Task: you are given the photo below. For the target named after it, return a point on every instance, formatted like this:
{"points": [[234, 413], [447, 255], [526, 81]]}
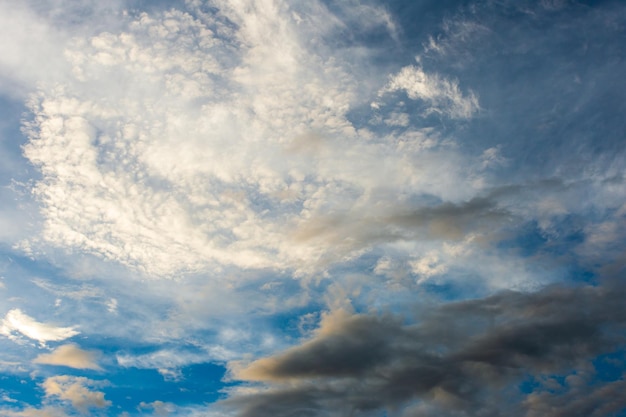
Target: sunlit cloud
{"points": [[75, 390], [71, 356], [319, 208], [16, 321]]}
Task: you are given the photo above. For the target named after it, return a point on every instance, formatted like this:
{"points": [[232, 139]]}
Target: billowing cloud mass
{"points": [[76, 390], [312, 208], [452, 356]]}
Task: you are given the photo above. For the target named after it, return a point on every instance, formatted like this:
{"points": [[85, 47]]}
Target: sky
{"points": [[312, 208]]}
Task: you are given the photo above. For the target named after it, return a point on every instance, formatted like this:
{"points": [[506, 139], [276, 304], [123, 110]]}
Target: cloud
{"points": [[132, 123], [84, 291], [450, 356], [442, 95], [131, 192], [70, 355], [445, 221], [76, 391], [579, 396], [160, 408], [33, 43], [167, 362], [230, 147], [37, 412], [16, 321]]}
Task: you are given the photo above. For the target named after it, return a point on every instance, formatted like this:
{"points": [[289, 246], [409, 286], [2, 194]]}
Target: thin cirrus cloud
{"points": [[320, 208]]}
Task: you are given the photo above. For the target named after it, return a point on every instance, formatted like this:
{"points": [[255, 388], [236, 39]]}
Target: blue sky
{"points": [[312, 208]]}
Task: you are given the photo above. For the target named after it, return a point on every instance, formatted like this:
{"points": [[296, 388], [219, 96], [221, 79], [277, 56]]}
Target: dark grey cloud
{"points": [[455, 357], [581, 398]]}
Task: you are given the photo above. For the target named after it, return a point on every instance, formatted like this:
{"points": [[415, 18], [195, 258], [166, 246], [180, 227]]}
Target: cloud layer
{"points": [[312, 208], [452, 356]]}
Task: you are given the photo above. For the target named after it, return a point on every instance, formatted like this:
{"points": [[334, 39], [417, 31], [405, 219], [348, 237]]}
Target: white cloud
{"points": [[16, 321], [33, 53], [75, 292], [442, 95], [160, 408], [427, 266], [167, 362], [112, 305], [170, 159], [70, 355], [36, 412], [77, 391]]}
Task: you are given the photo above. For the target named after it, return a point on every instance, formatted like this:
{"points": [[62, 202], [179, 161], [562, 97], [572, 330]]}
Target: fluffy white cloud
{"points": [[76, 390], [171, 159], [16, 321], [70, 355]]}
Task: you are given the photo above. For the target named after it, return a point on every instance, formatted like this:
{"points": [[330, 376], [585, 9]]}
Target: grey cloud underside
{"points": [[444, 221], [452, 357]]}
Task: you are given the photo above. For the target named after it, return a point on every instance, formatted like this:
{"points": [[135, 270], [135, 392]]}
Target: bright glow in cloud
{"points": [[252, 143], [16, 321], [442, 95]]}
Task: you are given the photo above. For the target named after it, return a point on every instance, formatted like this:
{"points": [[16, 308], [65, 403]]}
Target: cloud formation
{"points": [[70, 355], [441, 95], [256, 158], [76, 390], [352, 208], [452, 356], [16, 321]]}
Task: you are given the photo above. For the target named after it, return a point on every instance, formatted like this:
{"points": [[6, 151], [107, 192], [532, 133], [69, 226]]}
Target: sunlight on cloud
{"points": [[75, 390], [322, 208], [182, 159], [442, 95], [16, 321], [70, 355]]}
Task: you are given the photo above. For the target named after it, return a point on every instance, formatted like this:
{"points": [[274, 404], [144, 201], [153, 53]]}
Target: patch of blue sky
{"points": [[19, 390], [198, 384], [531, 239]]}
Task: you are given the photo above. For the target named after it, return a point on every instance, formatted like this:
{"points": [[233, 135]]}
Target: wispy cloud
{"points": [[441, 95], [359, 207], [16, 321]]}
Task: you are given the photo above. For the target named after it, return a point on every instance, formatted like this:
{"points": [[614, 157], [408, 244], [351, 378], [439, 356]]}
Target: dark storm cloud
{"points": [[452, 355], [581, 399]]}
